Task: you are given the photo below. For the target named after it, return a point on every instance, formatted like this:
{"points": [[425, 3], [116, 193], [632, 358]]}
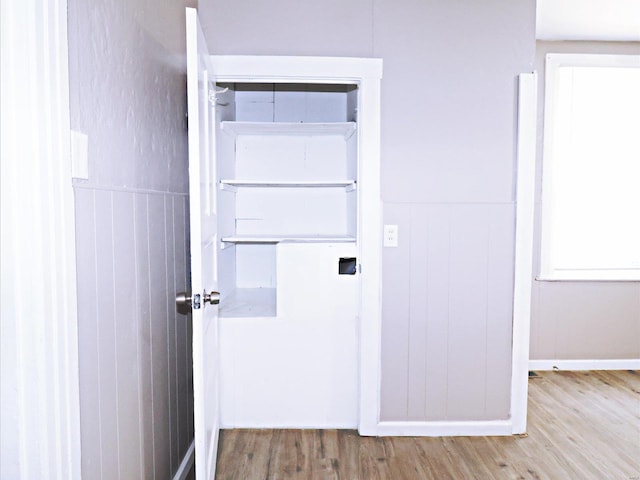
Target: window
{"points": [[591, 168]]}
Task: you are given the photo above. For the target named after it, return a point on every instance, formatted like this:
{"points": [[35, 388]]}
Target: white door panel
{"points": [[203, 224]]}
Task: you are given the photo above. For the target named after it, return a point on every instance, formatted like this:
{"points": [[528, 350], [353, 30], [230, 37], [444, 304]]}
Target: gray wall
{"points": [[448, 155], [581, 320], [127, 93]]}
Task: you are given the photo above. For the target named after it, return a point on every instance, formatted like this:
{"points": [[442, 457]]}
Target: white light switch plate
{"points": [[390, 236]]}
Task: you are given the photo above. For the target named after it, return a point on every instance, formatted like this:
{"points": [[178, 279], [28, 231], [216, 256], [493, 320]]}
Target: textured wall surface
{"points": [[127, 93], [448, 158], [581, 320]]}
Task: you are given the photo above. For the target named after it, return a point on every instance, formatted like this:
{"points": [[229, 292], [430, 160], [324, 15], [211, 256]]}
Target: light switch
{"points": [[390, 236], [79, 155]]}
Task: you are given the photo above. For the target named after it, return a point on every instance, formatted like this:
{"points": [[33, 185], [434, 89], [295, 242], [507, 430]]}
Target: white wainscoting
{"points": [[447, 313], [135, 350]]}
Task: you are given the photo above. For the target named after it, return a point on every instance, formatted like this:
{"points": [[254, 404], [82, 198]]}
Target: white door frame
{"points": [[366, 73], [40, 391]]}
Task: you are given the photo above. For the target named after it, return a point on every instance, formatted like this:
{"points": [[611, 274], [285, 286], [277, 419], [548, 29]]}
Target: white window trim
{"points": [[553, 62]]}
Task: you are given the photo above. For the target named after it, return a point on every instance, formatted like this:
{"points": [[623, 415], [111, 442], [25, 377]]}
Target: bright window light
{"points": [[591, 168]]}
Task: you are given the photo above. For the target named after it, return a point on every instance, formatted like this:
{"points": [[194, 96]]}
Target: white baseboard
{"points": [[187, 463], [445, 429], [616, 364], [308, 425]]}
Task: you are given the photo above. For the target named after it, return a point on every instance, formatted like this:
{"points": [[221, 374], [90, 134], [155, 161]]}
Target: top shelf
{"points": [[346, 129]]}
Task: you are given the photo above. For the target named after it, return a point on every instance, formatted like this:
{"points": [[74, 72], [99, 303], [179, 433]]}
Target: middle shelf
{"points": [[343, 129], [348, 185], [249, 239]]}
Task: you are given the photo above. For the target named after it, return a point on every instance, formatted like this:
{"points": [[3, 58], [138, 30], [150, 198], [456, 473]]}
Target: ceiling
{"points": [[609, 20]]}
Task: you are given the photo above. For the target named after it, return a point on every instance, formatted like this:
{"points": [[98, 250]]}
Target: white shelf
{"points": [[289, 239], [249, 302], [346, 129], [348, 185]]}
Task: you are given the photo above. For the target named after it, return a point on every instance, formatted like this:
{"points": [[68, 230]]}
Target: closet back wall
{"points": [[448, 156]]}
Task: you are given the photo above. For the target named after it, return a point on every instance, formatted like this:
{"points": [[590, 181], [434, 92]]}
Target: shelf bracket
{"points": [[225, 187], [224, 245]]}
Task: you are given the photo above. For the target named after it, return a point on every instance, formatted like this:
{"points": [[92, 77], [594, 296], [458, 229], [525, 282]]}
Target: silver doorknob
{"points": [[184, 300], [213, 298]]}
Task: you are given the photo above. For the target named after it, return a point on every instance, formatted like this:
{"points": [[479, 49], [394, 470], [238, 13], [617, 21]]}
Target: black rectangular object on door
{"points": [[347, 266]]}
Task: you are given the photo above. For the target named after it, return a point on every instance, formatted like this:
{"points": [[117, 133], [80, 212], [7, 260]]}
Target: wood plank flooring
{"points": [[582, 425]]}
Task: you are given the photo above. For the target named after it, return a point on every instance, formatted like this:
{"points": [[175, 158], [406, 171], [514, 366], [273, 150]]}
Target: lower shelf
{"points": [[249, 302], [289, 239]]}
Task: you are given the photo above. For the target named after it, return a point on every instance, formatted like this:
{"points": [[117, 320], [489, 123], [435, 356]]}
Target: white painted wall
{"points": [[580, 320], [448, 156], [127, 89]]}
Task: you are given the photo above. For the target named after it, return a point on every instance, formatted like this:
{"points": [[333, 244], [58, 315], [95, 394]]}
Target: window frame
{"points": [[553, 62]]}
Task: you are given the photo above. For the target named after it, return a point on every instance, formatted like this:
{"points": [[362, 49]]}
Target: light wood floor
{"points": [[582, 425]]}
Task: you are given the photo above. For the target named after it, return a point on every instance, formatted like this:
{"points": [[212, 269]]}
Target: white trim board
{"points": [[446, 428], [581, 365], [523, 271], [40, 417]]}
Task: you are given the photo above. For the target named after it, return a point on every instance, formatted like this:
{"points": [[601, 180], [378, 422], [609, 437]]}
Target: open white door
{"points": [[202, 216]]}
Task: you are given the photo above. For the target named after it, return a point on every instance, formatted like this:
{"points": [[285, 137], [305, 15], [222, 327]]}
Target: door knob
{"points": [[184, 300], [213, 298]]}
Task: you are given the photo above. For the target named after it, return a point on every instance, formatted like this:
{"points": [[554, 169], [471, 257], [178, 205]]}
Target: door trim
{"points": [[40, 381], [366, 73], [523, 270]]}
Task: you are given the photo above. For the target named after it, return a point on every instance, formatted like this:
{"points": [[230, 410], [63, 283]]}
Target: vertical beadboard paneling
{"points": [[135, 351], [182, 361], [143, 284], [467, 333], [172, 380], [499, 311], [447, 312], [437, 316], [417, 334], [188, 372], [88, 335], [104, 298], [159, 347], [395, 317], [126, 330]]}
